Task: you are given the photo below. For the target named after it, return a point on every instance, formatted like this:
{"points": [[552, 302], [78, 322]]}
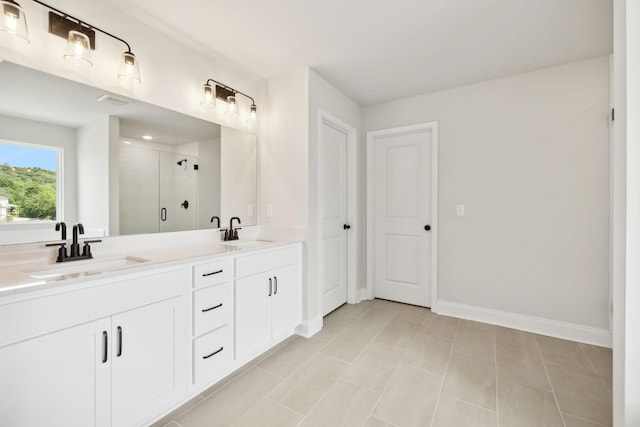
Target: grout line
{"points": [[444, 377], [544, 365]]}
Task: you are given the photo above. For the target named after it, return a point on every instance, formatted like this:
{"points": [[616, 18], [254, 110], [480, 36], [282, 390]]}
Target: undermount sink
{"points": [[241, 244], [76, 269]]}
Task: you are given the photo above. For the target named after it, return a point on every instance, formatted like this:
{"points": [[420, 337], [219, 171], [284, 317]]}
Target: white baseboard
{"points": [[309, 327], [537, 325], [360, 295]]}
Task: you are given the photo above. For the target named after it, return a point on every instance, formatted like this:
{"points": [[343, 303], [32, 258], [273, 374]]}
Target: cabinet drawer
{"points": [[212, 354], [212, 308], [213, 272], [265, 261]]}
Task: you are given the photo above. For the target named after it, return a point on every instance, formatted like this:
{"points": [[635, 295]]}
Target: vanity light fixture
{"points": [[229, 95], [79, 34], [13, 21]]}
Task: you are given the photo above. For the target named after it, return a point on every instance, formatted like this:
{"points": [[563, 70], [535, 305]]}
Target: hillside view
{"points": [[33, 190]]}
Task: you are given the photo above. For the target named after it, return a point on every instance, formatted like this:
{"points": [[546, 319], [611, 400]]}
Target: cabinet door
{"points": [[58, 379], [282, 301], [252, 325], [149, 360]]}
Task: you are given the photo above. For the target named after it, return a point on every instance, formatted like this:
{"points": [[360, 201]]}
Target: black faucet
{"points": [[75, 246], [218, 218], [231, 234], [62, 226]]}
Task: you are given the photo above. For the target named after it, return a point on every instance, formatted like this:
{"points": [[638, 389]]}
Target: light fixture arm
{"points": [[86, 24], [253, 102]]}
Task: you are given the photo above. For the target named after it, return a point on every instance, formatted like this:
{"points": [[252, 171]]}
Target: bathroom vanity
{"points": [[123, 340]]}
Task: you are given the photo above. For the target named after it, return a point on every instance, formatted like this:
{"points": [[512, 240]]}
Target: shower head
{"points": [[180, 162]]}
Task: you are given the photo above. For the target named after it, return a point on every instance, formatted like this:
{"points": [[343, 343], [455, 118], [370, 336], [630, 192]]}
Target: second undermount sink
{"points": [[77, 269]]}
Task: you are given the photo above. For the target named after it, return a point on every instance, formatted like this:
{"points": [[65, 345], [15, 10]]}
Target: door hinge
{"points": [[613, 114]]}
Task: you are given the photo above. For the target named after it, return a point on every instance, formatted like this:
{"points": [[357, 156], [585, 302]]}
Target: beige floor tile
{"points": [[235, 374], [472, 380], [304, 388], [601, 359], [375, 319], [282, 343], [345, 404], [521, 405], [388, 305], [374, 366], [571, 421], [522, 363], [175, 414], [581, 394], [441, 326], [514, 336], [410, 397], [267, 413], [413, 313], [451, 412], [562, 352], [333, 325], [478, 342], [429, 352], [291, 356], [349, 344], [398, 333], [477, 326], [232, 401], [377, 422], [357, 310], [172, 424]]}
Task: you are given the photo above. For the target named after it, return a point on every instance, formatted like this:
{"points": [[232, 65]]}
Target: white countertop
{"points": [[15, 279]]}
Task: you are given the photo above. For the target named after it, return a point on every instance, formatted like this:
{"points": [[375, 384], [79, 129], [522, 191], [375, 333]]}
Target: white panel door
{"points": [[252, 323], [334, 218], [281, 302], [402, 210]]}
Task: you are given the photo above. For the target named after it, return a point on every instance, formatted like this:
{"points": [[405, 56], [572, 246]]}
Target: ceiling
{"points": [[381, 50], [34, 95]]}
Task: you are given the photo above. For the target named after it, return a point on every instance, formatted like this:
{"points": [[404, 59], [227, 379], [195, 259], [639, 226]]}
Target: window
{"points": [[29, 183]]}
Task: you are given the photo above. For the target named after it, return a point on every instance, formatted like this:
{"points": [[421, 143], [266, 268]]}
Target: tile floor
{"points": [[380, 363]]}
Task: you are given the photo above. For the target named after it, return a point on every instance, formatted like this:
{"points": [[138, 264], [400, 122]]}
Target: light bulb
{"points": [[78, 49], [129, 67], [232, 105], [253, 114]]}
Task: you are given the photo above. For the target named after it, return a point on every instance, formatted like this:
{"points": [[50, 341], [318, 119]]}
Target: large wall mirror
{"points": [[75, 153]]}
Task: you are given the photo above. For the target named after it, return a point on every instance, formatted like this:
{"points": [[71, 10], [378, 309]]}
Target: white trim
{"points": [[537, 325], [371, 138], [309, 328], [352, 206]]}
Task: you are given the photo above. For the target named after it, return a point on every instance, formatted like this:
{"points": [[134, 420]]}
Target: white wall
{"points": [[209, 182], [323, 96], [93, 166], [284, 151], [528, 155], [238, 176]]}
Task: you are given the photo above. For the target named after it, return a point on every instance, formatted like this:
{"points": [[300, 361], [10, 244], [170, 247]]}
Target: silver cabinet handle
{"points": [[275, 281]]}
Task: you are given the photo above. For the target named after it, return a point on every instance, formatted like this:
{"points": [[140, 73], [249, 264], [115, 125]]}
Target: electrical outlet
{"points": [[460, 210], [269, 211], [250, 211]]}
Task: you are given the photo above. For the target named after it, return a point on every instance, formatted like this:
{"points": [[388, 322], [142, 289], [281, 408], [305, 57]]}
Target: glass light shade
{"points": [[78, 49], [129, 67], [232, 105], [208, 97], [13, 21], [253, 114]]}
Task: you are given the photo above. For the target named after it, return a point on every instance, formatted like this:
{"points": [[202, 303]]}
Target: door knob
{"points": [[427, 227], [185, 204], [346, 226]]}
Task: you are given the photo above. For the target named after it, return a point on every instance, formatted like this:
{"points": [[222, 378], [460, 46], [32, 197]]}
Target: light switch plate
{"points": [[250, 210], [269, 211], [460, 210]]}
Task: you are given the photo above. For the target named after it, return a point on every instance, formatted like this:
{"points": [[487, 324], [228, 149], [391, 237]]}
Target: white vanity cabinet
{"points": [[266, 290], [103, 354]]}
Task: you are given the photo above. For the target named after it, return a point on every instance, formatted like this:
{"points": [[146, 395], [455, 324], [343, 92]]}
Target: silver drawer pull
{"points": [[214, 353], [211, 274], [204, 310]]}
